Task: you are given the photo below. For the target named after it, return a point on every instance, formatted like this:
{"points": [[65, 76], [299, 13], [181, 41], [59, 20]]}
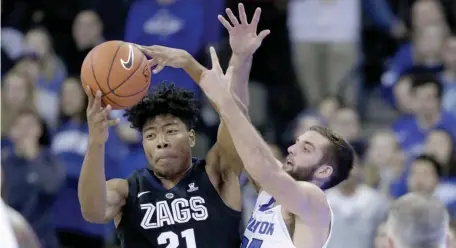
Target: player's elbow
{"points": [[96, 217]]}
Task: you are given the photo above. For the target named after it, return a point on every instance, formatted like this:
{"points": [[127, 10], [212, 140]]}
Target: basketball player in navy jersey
{"points": [[177, 201], [291, 210]]}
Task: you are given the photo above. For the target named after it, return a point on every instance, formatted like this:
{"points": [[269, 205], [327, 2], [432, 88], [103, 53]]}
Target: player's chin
{"points": [[287, 167]]}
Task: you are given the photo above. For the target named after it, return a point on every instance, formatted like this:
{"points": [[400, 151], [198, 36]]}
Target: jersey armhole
{"points": [[130, 199], [211, 191]]}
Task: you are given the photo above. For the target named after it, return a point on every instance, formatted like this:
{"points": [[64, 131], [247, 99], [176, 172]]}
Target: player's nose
{"points": [[162, 142], [291, 149]]}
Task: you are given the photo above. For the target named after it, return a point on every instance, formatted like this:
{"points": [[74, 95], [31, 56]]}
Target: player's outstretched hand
{"points": [[98, 118], [215, 83], [165, 56], [243, 35]]}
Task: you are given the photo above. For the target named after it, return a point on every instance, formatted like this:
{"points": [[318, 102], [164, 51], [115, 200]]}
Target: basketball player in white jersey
{"points": [[291, 210], [417, 221]]}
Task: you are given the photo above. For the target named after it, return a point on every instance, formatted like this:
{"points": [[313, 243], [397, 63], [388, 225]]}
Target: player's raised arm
{"points": [[259, 162], [100, 201], [244, 41]]}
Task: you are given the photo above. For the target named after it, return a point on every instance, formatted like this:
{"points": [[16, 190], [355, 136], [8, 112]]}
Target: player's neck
{"points": [[170, 182]]}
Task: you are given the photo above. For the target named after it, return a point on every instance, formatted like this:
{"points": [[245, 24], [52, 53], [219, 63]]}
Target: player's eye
{"points": [[171, 131], [150, 136]]}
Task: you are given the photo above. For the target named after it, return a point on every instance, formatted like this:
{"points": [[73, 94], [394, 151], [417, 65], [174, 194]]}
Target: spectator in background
{"points": [[440, 145], [325, 37], [70, 144], [304, 121], [52, 73], [33, 176], [411, 130], [448, 76], [358, 210], [136, 158], [328, 106], [425, 12], [416, 221], [12, 46], [346, 123], [17, 93], [385, 167], [424, 178], [423, 52], [28, 64], [87, 33], [189, 25]]}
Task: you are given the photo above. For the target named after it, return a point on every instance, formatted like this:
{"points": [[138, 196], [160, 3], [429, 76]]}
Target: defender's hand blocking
{"points": [[243, 36], [216, 84], [165, 56], [97, 118]]}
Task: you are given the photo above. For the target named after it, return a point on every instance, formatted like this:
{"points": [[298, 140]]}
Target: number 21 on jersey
{"points": [[255, 243], [172, 239]]}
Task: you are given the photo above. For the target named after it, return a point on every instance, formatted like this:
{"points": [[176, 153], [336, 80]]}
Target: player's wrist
{"points": [[241, 58]]}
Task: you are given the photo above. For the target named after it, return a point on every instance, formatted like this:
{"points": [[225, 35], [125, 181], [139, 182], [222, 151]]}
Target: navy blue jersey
{"points": [[190, 215]]}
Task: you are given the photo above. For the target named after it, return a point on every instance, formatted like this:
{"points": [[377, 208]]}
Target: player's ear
{"points": [[191, 137], [323, 172]]}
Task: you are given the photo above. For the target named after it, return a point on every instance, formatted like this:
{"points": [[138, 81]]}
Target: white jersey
{"points": [[8, 239], [266, 228]]}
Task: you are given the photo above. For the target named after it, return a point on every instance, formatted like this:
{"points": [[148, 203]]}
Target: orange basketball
{"points": [[119, 70]]}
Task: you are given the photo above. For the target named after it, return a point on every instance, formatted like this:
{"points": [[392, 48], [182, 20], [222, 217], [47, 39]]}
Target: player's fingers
{"points": [[89, 94], [105, 112], [224, 22], [263, 34], [159, 67], [152, 62], [97, 102], [255, 19], [145, 50], [231, 16], [214, 59], [242, 14]]}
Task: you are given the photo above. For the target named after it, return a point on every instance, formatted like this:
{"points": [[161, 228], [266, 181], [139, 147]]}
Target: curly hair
{"points": [[165, 99]]}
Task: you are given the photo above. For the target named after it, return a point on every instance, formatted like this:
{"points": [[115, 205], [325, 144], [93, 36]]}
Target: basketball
{"points": [[119, 70]]}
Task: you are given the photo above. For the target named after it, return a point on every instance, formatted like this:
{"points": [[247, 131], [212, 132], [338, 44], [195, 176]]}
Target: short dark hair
{"points": [[165, 99], [424, 79], [45, 138], [434, 163], [340, 155]]}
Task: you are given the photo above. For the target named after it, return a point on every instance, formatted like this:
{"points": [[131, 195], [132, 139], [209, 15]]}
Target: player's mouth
{"points": [[165, 157], [288, 164]]}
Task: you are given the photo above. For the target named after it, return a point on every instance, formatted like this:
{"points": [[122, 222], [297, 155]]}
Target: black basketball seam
{"points": [[96, 80], [112, 63], [140, 91], [123, 82], [93, 93]]}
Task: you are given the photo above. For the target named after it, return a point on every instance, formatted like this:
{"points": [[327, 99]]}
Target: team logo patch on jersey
{"points": [[169, 195], [192, 187]]}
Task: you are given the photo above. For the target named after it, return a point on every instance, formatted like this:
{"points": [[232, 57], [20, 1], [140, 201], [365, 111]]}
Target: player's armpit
{"points": [[116, 195]]}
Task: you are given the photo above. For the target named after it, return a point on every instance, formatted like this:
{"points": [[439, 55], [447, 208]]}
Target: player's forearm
{"points": [[256, 155], [240, 77], [92, 184], [193, 68]]}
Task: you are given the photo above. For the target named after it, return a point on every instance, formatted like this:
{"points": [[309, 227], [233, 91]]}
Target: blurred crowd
{"points": [[325, 63]]}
